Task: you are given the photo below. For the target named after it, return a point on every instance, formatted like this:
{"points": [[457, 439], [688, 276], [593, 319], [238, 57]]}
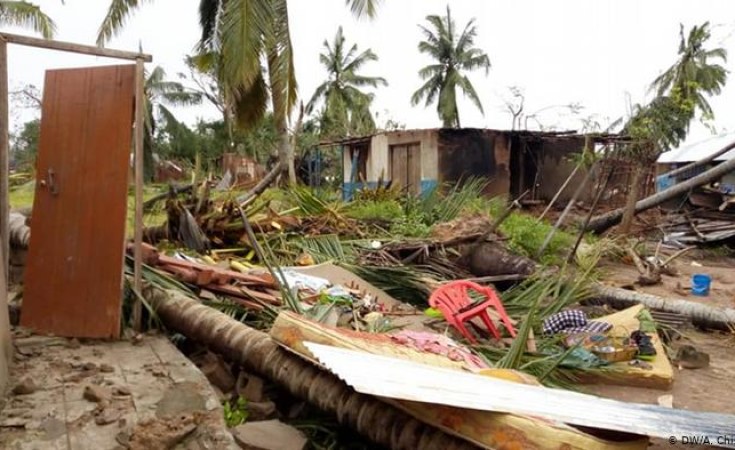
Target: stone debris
{"points": [[269, 435], [25, 387], [96, 394]]}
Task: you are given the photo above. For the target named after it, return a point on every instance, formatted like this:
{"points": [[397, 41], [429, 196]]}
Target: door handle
{"points": [[50, 182]]}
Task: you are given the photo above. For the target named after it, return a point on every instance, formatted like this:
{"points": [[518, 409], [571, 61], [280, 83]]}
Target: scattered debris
{"points": [[269, 435]]}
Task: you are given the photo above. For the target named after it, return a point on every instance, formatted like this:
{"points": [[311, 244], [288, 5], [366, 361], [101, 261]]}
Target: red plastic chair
{"points": [[454, 301]]}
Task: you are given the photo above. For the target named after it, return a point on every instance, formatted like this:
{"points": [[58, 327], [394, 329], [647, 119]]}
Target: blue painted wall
{"points": [[348, 189]]}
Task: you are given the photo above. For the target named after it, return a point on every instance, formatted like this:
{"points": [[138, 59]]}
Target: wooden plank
{"points": [[4, 164], [138, 232], [73, 48], [74, 273]]}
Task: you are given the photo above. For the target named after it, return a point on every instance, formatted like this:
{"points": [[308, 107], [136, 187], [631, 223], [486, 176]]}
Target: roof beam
{"points": [[74, 48]]}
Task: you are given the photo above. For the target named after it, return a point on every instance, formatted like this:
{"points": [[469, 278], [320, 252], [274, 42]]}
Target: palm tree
{"points": [[246, 33], [346, 107], [160, 92], [28, 15], [454, 54], [696, 73], [681, 90]]}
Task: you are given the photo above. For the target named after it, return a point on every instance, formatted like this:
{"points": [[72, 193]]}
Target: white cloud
{"points": [[596, 53]]}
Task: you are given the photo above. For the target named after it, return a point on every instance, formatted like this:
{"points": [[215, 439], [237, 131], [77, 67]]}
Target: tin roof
{"points": [[700, 150]]}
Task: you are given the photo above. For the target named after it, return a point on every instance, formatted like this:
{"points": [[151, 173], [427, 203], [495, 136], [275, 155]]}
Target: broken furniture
{"points": [[454, 301]]}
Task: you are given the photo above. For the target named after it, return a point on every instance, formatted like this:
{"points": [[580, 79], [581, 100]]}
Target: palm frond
{"points": [[117, 15], [364, 8], [28, 15], [280, 63]]}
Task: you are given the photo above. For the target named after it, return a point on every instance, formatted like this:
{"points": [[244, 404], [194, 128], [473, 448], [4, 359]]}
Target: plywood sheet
{"points": [[74, 275]]}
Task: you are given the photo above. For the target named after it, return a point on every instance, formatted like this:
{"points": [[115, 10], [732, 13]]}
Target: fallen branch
{"points": [[262, 185]]}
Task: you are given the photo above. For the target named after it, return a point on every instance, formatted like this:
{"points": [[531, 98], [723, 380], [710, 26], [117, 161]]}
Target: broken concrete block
{"points": [[218, 373], [96, 394], [261, 410], [268, 435], [25, 387], [250, 387]]}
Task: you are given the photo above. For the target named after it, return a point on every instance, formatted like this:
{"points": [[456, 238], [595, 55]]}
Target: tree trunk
{"points": [[285, 151], [701, 315], [256, 351], [701, 162], [18, 232], [609, 219], [631, 200]]}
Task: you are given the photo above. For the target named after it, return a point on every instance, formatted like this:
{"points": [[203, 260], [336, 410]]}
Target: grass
{"points": [[22, 197]]}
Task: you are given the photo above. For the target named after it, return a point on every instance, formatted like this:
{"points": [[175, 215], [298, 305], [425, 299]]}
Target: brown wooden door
{"points": [[73, 278], [406, 167]]}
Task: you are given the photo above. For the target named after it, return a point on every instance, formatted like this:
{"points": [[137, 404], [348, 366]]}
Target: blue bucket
{"points": [[701, 284]]}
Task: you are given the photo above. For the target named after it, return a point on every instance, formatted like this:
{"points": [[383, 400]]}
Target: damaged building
{"points": [[513, 162]]}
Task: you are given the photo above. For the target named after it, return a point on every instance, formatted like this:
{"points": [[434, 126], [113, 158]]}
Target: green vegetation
{"points": [[386, 210], [236, 412]]}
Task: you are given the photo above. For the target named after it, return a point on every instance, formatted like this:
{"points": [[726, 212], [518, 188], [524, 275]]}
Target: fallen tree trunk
{"points": [[18, 232], [255, 350], [700, 162], [602, 222], [701, 315]]}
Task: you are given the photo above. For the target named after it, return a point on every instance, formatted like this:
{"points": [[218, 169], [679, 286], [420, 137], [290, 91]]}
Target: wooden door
{"points": [[73, 278], [406, 167]]}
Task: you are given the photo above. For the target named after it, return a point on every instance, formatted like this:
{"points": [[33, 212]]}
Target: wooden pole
{"points": [[4, 160], [138, 236], [73, 48]]}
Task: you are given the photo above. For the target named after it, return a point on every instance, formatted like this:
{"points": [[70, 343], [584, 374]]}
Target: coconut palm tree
{"points": [[247, 33], [27, 15], [454, 54], [346, 107], [160, 92], [697, 73]]}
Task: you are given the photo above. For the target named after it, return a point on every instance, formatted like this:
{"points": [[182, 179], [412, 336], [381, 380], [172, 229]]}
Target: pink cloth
{"points": [[439, 345]]}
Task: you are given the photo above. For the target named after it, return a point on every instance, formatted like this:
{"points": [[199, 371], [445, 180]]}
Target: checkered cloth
{"points": [[572, 322]]}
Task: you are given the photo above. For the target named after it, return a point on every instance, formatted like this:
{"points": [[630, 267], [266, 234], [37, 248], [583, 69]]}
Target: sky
{"points": [[600, 55]]}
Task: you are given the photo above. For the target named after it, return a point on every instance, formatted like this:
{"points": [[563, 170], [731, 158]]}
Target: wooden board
{"points": [[485, 429], [73, 280]]}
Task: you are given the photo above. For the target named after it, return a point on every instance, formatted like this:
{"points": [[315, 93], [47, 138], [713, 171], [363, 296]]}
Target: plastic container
{"points": [[701, 284]]}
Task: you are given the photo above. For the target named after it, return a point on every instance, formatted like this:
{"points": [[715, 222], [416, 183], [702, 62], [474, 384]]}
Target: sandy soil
{"points": [[722, 271]]}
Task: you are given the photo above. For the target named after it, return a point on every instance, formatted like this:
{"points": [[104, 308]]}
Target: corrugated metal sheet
{"points": [[400, 379], [699, 150]]}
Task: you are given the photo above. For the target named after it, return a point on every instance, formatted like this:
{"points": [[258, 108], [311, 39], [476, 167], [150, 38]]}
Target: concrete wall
{"points": [[378, 161], [556, 166], [6, 346]]}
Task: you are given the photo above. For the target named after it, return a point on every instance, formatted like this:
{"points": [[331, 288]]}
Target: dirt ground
{"points": [[707, 389], [721, 269]]}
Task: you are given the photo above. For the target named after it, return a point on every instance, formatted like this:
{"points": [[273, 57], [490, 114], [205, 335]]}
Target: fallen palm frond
{"points": [[411, 285]]}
